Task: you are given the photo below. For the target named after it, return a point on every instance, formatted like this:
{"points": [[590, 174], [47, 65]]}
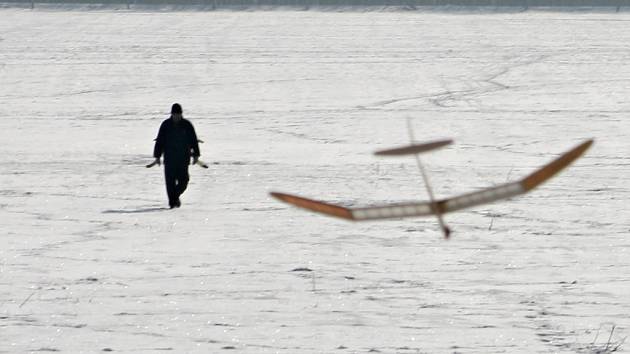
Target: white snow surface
{"points": [[91, 261]]}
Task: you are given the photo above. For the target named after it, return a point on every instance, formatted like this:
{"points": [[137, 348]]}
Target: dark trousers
{"points": [[176, 182]]}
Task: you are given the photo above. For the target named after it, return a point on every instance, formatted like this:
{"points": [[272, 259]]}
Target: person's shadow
{"points": [[134, 211]]}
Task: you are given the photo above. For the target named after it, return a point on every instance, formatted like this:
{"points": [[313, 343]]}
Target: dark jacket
{"points": [[178, 142]]}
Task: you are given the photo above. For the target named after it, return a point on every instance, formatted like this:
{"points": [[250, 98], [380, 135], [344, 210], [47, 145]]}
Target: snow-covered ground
{"points": [[297, 102]]}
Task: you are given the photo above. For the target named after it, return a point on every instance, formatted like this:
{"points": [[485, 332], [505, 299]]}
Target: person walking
{"points": [[177, 141]]}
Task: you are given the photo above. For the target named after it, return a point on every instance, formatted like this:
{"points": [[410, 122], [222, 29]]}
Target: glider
{"points": [[442, 206]]}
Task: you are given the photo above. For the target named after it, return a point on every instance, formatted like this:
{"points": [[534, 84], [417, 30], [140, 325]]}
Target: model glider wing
{"points": [[201, 164], [414, 149], [152, 164], [369, 213], [402, 210], [513, 189]]}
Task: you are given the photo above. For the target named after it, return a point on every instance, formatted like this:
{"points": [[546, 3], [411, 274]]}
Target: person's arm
{"points": [[158, 149], [194, 144]]}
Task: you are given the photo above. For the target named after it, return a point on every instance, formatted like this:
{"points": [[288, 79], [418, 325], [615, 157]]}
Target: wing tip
{"points": [[278, 195], [314, 205], [551, 169]]}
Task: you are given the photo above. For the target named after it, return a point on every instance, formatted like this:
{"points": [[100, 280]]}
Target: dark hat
{"points": [[176, 109]]}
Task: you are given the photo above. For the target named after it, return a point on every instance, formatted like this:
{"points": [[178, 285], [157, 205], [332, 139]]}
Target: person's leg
{"points": [[182, 180], [170, 178]]}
